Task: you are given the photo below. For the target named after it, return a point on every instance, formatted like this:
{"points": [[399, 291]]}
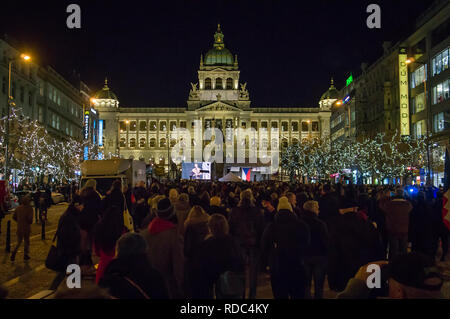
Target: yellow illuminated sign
{"points": [[403, 91]]}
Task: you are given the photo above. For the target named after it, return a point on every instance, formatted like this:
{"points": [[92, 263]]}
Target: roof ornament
{"points": [[106, 84]]}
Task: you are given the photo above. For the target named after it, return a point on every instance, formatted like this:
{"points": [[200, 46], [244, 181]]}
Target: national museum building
{"points": [[218, 100]]}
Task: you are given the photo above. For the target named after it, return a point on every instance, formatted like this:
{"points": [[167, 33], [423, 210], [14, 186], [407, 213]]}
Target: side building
{"points": [[406, 91], [42, 94]]}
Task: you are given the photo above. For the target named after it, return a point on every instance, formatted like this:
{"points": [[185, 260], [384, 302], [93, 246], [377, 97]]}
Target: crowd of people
{"points": [[213, 240]]}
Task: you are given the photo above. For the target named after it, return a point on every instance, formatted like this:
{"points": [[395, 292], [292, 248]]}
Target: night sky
{"points": [[150, 50]]}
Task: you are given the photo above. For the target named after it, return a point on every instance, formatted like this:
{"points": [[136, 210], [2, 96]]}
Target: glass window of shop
{"points": [[418, 76], [440, 62], [438, 122], [418, 103], [441, 92]]}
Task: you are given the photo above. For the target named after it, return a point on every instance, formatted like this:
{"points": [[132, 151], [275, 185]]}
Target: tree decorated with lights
{"points": [[35, 152]]}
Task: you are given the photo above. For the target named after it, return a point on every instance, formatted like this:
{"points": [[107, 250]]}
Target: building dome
{"points": [[219, 55], [331, 94], [105, 93]]}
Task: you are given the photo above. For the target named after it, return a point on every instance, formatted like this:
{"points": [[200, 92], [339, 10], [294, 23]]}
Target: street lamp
{"points": [[428, 109], [10, 103]]}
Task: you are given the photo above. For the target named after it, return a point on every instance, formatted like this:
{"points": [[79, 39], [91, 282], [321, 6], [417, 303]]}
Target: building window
{"points": [[162, 142], [305, 126], [274, 144], [132, 142], [142, 142], [294, 126], [254, 125], [208, 84], [30, 98], [264, 143], [142, 125], [173, 142], [294, 141], [441, 92], [122, 126], [274, 125], [173, 126], [41, 88], [264, 124], [284, 126], [438, 122], [418, 76], [122, 142], [22, 94], [228, 123], [315, 126], [133, 126], [229, 84], [40, 114], [153, 142], [440, 62], [419, 128], [418, 103], [162, 126], [219, 85], [152, 126]]}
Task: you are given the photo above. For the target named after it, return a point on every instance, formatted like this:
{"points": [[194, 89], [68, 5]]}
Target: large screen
{"points": [[199, 171]]}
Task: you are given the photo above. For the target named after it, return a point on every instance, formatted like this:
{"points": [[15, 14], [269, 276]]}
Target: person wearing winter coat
{"points": [[68, 239], [354, 242], [397, 211], [216, 207], [165, 253], [246, 226], [196, 229], [328, 203], [23, 215], [421, 226], [217, 254], [182, 209], [284, 244], [130, 275], [90, 215], [141, 208], [106, 233], [316, 257]]}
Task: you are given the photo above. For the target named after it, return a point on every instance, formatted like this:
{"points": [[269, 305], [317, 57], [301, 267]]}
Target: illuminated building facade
{"points": [[217, 100]]}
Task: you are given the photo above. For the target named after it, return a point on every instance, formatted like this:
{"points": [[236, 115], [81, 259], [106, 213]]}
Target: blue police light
{"points": [[346, 99]]}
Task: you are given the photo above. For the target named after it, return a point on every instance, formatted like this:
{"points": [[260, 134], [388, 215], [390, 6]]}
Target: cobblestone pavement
{"points": [[25, 279]]}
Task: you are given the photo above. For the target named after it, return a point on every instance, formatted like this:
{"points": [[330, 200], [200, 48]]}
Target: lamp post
{"points": [[9, 104], [428, 110]]}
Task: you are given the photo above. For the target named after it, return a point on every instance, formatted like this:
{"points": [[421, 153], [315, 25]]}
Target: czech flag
{"points": [[246, 174]]}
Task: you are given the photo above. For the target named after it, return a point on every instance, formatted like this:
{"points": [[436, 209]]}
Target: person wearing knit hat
{"points": [[165, 209], [291, 236], [283, 204], [165, 249]]}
